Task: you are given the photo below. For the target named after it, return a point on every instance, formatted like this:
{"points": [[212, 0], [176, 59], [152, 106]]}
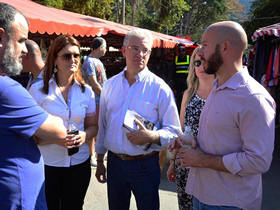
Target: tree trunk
{"points": [[117, 11], [123, 12], [133, 12]]}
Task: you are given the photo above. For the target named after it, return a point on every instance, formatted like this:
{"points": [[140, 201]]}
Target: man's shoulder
{"points": [[91, 59], [88, 61], [5, 80], [115, 78], [9, 86], [254, 89], [156, 80], [17, 99]]}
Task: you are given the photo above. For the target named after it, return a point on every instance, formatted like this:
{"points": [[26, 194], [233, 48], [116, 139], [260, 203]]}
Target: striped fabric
{"points": [[267, 31]]}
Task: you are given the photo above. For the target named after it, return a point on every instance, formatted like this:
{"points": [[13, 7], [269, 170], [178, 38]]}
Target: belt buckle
{"points": [[122, 156]]}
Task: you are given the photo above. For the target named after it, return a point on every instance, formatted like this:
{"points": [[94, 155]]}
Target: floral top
{"points": [[192, 114]]}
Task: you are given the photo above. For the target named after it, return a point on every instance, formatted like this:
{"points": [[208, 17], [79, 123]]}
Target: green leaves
{"points": [[96, 8], [262, 13]]}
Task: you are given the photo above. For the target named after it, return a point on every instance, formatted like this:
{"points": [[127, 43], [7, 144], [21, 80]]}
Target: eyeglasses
{"points": [[197, 63], [69, 56], [136, 49]]}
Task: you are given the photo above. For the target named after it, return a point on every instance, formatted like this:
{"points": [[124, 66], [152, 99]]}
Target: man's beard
{"points": [[215, 61], [9, 65]]}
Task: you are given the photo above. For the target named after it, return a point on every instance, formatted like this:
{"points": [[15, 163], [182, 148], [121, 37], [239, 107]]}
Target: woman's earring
{"points": [[54, 70]]}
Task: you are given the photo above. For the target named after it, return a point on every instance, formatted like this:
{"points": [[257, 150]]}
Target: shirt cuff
{"points": [[164, 138], [100, 149], [230, 161]]}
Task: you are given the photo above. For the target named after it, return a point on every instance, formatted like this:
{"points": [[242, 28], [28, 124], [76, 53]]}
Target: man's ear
{"points": [[225, 47], [123, 50], [2, 33]]}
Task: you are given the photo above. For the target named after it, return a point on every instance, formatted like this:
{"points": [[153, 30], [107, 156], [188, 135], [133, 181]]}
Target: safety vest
{"points": [[182, 66]]}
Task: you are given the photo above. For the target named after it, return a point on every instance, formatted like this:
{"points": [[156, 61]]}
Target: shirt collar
{"points": [[233, 82], [140, 76], [75, 83]]}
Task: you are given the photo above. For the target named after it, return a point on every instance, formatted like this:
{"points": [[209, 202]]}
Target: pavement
{"points": [[96, 198]]}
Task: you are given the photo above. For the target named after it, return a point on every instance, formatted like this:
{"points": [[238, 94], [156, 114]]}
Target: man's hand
{"points": [[175, 144], [187, 157], [190, 157], [100, 173], [143, 135]]}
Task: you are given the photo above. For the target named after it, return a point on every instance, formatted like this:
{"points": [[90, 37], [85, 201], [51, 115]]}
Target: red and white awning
{"points": [[50, 20], [267, 31]]}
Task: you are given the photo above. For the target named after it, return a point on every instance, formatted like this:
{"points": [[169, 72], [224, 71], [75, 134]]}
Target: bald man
{"points": [[32, 62], [236, 131]]}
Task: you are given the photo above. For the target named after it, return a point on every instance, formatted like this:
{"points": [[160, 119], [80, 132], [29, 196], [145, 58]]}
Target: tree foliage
{"points": [[262, 13], [199, 16], [168, 12], [175, 17], [235, 11], [51, 3], [96, 8]]}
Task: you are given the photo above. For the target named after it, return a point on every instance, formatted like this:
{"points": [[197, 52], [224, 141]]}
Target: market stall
{"points": [[47, 23], [266, 65]]}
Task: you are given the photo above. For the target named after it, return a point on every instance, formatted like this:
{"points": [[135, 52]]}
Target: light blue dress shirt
{"points": [[150, 97]]}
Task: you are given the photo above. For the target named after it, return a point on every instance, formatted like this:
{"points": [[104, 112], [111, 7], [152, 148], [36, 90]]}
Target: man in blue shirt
{"points": [[94, 74], [33, 63], [21, 164]]}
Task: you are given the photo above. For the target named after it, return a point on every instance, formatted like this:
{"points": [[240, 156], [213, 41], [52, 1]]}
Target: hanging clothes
{"points": [[276, 66], [269, 70], [263, 48]]}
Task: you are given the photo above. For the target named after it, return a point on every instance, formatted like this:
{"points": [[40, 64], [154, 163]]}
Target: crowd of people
{"points": [[222, 141]]}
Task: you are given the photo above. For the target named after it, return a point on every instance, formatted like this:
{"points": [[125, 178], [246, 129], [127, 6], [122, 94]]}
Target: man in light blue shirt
{"points": [[133, 156]]}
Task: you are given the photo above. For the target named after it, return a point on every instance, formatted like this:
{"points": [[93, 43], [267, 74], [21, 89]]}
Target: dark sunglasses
{"points": [[197, 63], [69, 56]]}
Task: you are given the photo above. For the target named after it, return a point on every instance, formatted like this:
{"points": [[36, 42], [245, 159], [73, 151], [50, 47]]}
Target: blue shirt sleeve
{"points": [[89, 67], [19, 113]]}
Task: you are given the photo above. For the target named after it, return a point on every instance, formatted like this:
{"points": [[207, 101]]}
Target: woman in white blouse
{"points": [[63, 93]]}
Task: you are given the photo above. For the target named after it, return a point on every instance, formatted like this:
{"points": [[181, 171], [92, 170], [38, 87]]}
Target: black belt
{"points": [[132, 157]]}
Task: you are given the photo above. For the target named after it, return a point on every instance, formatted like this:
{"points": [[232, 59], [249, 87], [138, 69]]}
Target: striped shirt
{"points": [[150, 97]]}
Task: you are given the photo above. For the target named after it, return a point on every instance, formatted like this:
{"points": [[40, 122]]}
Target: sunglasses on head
{"points": [[197, 63], [69, 56]]}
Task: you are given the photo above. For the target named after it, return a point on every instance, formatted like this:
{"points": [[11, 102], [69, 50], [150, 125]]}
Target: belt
{"points": [[136, 157]]}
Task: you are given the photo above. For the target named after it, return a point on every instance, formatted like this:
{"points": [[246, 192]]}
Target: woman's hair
{"points": [[192, 80], [58, 44]]}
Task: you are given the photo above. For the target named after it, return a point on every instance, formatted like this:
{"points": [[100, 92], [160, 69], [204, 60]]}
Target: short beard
{"points": [[215, 61], [9, 65]]}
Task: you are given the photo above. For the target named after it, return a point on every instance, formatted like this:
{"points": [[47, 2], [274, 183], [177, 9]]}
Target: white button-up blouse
{"points": [[80, 104]]}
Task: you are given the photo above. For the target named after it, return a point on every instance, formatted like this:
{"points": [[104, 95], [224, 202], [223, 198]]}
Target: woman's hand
{"points": [[171, 172], [77, 140]]}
